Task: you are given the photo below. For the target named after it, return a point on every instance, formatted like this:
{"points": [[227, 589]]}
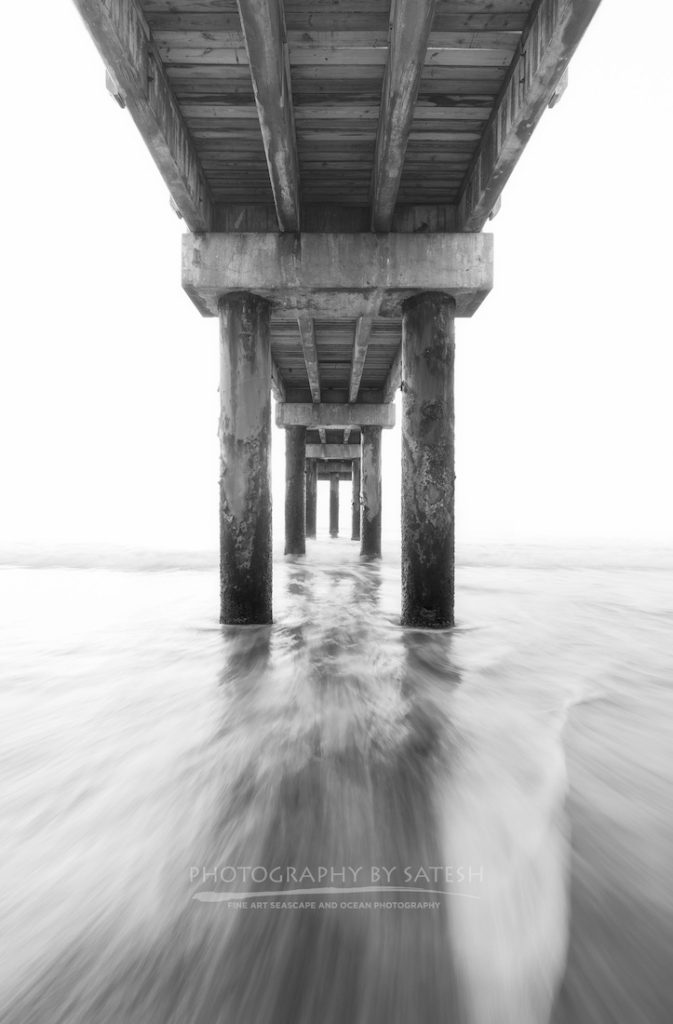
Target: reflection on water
{"points": [[164, 775]]}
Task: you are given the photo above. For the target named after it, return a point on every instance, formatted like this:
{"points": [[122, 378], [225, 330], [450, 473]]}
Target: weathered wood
{"points": [[327, 415], [549, 44], [277, 385], [335, 275], [332, 451], [428, 461], [124, 41], [334, 110], [310, 352], [411, 21], [216, 40], [473, 22], [264, 30], [338, 55], [295, 515], [394, 377], [361, 344], [245, 469]]}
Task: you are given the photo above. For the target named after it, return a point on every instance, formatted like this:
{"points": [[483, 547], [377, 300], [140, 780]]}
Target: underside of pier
{"points": [[335, 162]]}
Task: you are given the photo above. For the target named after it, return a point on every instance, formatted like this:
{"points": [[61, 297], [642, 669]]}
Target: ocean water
{"points": [[333, 819]]}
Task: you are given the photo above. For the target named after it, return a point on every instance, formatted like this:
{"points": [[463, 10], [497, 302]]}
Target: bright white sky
{"points": [[108, 375]]}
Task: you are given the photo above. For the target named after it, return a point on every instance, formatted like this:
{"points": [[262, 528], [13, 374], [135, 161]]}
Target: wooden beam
{"points": [[277, 385], [263, 24], [410, 24], [543, 58], [310, 352], [361, 344], [124, 41], [394, 378]]}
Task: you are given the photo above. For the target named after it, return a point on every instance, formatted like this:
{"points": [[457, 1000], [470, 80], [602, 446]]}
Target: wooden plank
{"points": [[123, 39], [369, 20], [225, 41], [330, 111], [409, 31], [264, 30], [545, 53]]}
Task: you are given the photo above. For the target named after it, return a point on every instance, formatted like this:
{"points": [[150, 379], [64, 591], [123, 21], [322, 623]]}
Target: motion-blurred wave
{"points": [[519, 766]]}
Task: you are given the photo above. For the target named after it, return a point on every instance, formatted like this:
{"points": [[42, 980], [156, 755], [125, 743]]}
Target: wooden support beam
{"points": [[332, 451], [410, 24], [277, 385], [543, 58], [322, 434], [329, 415], [361, 344], [124, 41], [394, 378], [310, 352], [336, 276], [263, 24]]}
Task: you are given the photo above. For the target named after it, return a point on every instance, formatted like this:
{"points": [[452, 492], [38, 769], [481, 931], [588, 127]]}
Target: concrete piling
{"points": [[428, 344], [295, 523], [370, 544], [245, 469], [334, 505], [355, 529], [311, 496]]}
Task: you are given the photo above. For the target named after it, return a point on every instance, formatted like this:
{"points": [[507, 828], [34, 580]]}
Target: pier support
{"points": [[334, 505], [245, 472], [370, 545], [355, 533], [295, 458], [311, 496], [428, 460]]}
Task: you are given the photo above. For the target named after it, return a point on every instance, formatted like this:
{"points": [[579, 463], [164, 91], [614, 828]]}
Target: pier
{"points": [[335, 166]]}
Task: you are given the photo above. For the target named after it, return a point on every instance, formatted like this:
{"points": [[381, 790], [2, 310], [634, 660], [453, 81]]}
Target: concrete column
{"points": [[370, 545], [311, 496], [295, 457], [245, 468], [355, 534], [334, 505], [428, 460]]}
